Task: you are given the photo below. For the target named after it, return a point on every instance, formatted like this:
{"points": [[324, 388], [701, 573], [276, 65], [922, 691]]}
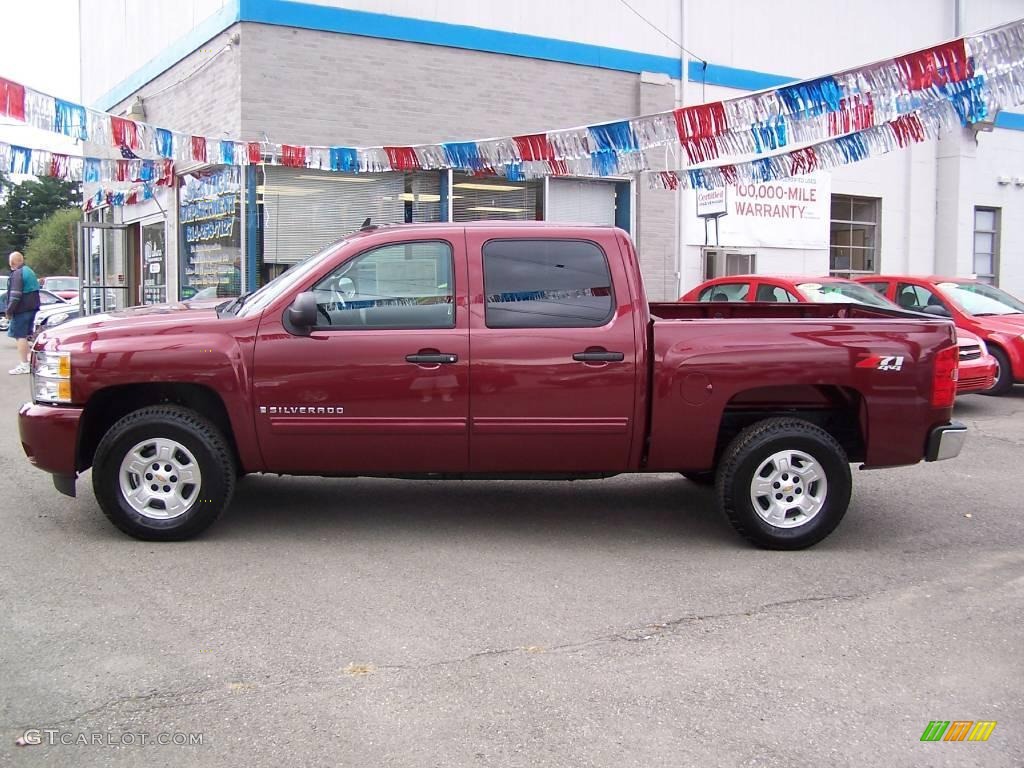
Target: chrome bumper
{"points": [[945, 442]]}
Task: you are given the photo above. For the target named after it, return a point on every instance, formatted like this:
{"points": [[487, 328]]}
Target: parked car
{"points": [[51, 316], [977, 367], [991, 313], [64, 286], [484, 350], [47, 301]]}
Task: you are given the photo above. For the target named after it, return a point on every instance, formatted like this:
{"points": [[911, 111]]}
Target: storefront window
{"points": [[475, 198], [210, 215]]}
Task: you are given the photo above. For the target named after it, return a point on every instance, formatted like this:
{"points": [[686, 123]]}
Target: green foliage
{"points": [[25, 205], [50, 249]]}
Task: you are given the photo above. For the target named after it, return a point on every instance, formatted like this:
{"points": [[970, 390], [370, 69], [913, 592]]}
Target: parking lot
{"points": [[595, 623]]}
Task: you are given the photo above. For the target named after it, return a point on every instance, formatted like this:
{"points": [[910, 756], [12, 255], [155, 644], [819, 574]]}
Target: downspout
{"points": [[680, 102]]}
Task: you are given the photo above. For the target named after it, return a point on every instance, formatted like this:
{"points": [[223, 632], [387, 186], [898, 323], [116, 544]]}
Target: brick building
{"points": [[373, 72]]}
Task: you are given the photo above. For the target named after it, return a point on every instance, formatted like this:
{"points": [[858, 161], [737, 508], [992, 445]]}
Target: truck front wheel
{"points": [[163, 473], [784, 483]]}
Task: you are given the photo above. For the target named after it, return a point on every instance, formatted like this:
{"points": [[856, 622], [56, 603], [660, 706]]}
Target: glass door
{"points": [[153, 282], [103, 267]]}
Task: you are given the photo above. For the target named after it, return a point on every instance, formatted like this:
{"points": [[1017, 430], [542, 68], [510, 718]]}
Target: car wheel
{"points": [[700, 478], [1004, 373], [163, 473], [784, 483]]}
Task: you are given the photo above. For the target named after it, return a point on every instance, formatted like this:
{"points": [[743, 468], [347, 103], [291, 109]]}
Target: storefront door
{"points": [[103, 265], [153, 267]]}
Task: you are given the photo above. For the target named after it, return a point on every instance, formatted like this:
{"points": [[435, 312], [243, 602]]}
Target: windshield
{"points": [[257, 301], [835, 293], [61, 283], [982, 299]]}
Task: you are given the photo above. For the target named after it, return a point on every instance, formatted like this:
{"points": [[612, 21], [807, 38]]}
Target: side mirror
{"points": [[937, 310], [302, 312]]}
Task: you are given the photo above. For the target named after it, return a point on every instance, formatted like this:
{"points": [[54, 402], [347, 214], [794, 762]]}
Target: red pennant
{"points": [[293, 157], [946, 63], [124, 132], [803, 161], [558, 167], [703, 121], [729, 174], [199, 149], [402, 158], [534, 146], [255, 153], [670, 180], [908, 129], [59, 166], [166, 177], [700, 150], [133, 198], [856, 113], [12, 99], [121, 170]]}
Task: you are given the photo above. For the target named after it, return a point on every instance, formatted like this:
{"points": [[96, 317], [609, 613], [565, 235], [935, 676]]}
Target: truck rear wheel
{"points": [[163, 473], [784, 483]]}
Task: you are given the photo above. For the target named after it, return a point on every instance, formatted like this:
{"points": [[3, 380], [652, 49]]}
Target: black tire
{"points": [[700, 478], [755, 445], [1004, 377], [201, 438]]}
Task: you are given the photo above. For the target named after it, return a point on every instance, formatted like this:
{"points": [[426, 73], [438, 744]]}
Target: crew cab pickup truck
{"points": [[487, 350]]}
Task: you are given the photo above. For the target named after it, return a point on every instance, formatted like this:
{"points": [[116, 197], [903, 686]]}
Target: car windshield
{"points": [[982, 299], [836, 293], [61, 283], [256, 302]]}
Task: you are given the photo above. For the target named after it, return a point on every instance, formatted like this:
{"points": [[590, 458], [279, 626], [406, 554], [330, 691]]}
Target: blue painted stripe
{"points": [[349, 22], [732, 77], [206, 30], [1013, 121]]}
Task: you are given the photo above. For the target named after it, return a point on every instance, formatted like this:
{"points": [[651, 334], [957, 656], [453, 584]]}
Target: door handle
{"points": [[598, 356], [432, 358]]}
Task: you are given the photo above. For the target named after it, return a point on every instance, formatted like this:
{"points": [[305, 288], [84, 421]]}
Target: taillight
{"points": [[944, 377]]}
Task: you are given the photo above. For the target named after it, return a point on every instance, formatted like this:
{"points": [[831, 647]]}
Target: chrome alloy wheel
{"points": [[160, 478], [788, 489]]}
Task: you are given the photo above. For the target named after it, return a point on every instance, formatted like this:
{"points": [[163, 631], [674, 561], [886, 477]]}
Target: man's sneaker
{"points": [[20, 368]]}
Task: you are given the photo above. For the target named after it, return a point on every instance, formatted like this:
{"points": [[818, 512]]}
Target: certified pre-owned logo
{"points": [[302, 410], [958, 730], [882, 362]]}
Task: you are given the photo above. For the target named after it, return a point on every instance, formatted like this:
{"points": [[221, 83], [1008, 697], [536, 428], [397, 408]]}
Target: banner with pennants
{"points": [[810, 125]]}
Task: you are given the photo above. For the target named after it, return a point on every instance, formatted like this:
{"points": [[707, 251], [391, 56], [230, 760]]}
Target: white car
{"points": [[51, 306]]}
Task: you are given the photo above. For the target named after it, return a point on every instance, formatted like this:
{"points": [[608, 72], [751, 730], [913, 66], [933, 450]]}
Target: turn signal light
{"points": [[944, 376]]}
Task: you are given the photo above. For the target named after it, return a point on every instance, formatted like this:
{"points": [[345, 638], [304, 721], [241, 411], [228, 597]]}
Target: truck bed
{"points": [[769, 310]]}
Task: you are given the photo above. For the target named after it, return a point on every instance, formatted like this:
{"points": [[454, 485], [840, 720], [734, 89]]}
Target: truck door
{"points": [[554, 369], [381, 384]]}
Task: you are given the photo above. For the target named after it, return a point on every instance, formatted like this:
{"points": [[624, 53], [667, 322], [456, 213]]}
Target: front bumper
{"points": [[49, 436], [976, 375], [945, 442]]}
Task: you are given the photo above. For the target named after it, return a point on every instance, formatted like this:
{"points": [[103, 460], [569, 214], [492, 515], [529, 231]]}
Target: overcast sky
{"points": [[39, 48]]}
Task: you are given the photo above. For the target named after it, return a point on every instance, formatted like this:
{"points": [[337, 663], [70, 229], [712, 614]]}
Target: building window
{"points": [[475, 198], [853, 241], [719, 263], [986, 244]]}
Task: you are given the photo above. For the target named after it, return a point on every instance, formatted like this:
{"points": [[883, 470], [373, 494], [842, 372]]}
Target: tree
{"points": [[28, 203], [50, 249]]}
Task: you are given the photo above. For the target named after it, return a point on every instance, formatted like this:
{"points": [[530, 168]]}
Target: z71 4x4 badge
{"points": [[882, 362]]}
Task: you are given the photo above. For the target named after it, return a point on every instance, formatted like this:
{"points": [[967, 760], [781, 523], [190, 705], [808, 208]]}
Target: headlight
{"points": [[53, 320], [51, 377], [984, 346]]}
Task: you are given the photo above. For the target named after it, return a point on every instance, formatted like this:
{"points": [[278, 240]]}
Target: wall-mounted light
{"points": [[1003, 180], [138, 110], [1019, 181]]}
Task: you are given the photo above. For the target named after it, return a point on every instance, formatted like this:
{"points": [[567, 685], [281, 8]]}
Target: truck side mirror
{"points": [[302, 312]]}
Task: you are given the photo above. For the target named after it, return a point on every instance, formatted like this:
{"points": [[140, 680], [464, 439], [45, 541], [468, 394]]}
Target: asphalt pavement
{"points": [[501, 624]]}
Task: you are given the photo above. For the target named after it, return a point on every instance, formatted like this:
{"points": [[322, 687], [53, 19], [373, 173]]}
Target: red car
{"points": [[994, 315], [64, 286], [977, 367]]}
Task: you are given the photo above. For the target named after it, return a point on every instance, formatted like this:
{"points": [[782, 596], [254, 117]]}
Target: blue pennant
{"points": [[91, 170], [164, 142], [344, 159], [227, 152], [617, 136], [514, 172], [463, 154], [968, 99], [814, 97], [763, 169], [21, 159], [605, 161], [69, 119]]}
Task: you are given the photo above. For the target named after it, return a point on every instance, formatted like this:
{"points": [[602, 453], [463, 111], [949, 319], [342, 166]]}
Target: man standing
{"points": [[22, 305]]}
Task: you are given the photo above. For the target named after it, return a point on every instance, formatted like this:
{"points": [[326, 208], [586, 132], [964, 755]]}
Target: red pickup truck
{"points": [[487, 350]]}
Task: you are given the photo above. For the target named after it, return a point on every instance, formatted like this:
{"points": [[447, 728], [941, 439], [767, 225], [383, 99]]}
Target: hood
{"points": [[183, 316], [1009, 324]]}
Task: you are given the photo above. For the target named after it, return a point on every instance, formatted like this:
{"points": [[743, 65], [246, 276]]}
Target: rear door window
{"points": [[546, 284], [882, 288], [916, 297], [725, 292], [769, 292]]}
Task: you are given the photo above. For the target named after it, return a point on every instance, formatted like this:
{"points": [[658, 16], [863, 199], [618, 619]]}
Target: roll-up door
{"points": [[581, 202]]}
